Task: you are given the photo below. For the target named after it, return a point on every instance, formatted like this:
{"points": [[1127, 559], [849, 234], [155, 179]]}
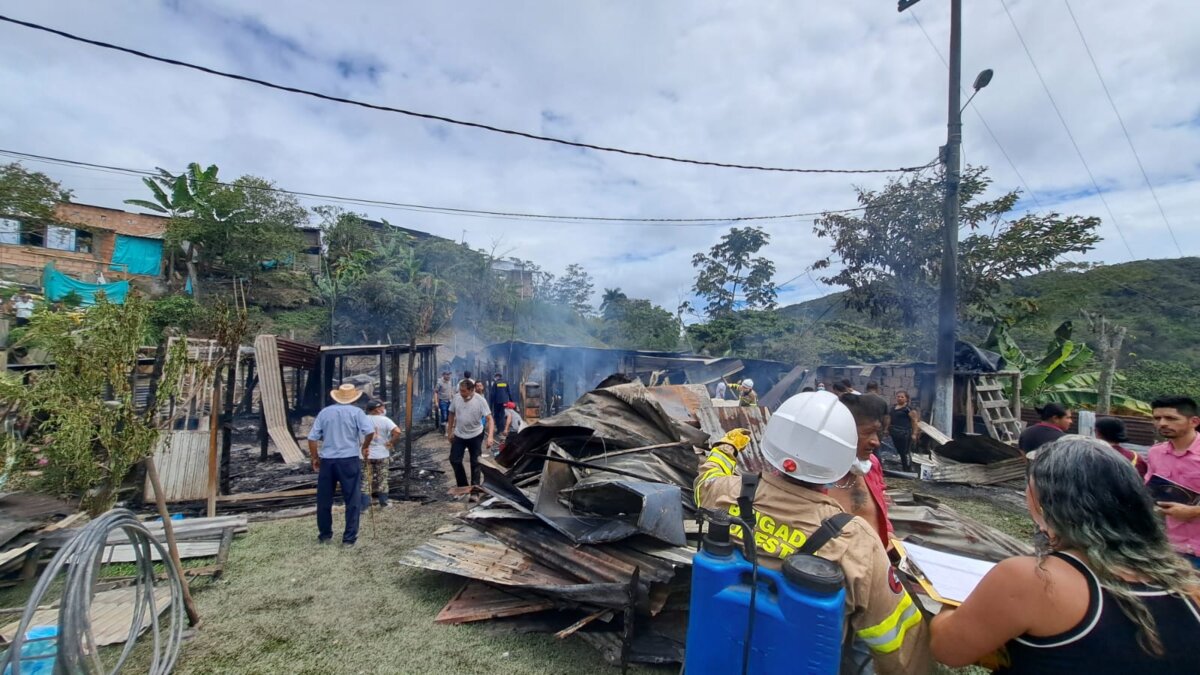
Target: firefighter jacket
{"points": [[501, 394], [878, 609], [746, 397]]}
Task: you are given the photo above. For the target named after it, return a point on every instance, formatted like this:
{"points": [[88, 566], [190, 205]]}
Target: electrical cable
{"points": [[454, 211], [1124, 130], [1066, 127], [430, 116], [77, 651]]}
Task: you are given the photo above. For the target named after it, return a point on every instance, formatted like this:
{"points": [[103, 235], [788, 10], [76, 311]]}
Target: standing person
{"points": [[1111, 430], [744, 390], [377, 452], [1055, 420], [501, 394], [808, 443], [342, 429], [22, 307], [1178, 459], [904, 428], [466, 433], [443, 391], [720, 391], [862, 490], [1105, 594]]}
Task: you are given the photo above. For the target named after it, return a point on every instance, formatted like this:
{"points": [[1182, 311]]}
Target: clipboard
{"points": [[1166, 490], [972, 571]]}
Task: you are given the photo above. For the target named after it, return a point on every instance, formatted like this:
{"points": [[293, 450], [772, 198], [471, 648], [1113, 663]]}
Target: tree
{"points": [[638, 324], [348, 247], [1109, 337], [731, 278], [891, 252], [610, 300], [29, 195], [573, 289], [87, 429], [180, 197]]}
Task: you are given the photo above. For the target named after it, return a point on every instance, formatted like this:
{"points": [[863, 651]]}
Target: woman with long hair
{"points": [[1105, 592]]}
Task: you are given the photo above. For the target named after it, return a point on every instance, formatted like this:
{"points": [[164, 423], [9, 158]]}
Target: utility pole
{"points": [[943, 408], [943, 403]]}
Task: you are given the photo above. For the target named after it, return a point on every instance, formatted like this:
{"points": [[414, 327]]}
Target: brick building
{"points": [[86, 241]]}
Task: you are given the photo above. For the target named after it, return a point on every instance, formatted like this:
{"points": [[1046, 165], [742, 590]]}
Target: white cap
{"points": [[812, 438]]}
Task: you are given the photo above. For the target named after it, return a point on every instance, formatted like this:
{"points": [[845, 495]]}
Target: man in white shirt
{"points": [[469, 414], [23, 307]]}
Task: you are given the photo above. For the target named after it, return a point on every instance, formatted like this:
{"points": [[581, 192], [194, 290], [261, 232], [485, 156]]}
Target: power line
{"points": [[1067, 128], [454, 211], [1124, 130], [999, 146], [433, 117]]}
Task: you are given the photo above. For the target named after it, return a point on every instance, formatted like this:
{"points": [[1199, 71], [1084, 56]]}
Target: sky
{"points": [[849, 84]]}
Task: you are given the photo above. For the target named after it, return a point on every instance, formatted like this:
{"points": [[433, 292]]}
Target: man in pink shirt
{"points": [[1178, 459]]}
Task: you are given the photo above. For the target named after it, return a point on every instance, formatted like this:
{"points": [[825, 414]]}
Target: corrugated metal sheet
{"points": [[270, 380], [181, 458]]}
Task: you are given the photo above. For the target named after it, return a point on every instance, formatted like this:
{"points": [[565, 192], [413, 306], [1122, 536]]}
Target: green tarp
{"points": [[58, 286], [137, 255]]}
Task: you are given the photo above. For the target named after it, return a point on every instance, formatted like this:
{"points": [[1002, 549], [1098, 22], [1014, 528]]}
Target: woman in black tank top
{"points": [[1105, 594]]}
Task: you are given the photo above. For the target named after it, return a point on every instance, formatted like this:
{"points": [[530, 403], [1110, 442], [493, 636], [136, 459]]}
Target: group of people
{"points": [[1110, 589], [470, 417]]}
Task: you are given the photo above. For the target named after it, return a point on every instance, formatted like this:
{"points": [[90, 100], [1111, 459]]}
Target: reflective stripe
{"points": [[887, 636], [722, 460], [712, 473]]}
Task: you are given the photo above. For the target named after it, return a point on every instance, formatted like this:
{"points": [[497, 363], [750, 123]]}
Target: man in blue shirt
{"points": [[343, 430]]}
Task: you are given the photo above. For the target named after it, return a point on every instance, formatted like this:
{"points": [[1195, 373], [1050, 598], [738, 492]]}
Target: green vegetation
{"points": [[890, 254], [29, 195], [89, 432]]}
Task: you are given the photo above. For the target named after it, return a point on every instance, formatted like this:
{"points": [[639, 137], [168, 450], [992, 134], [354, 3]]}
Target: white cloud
{"points": [[777, 83]]}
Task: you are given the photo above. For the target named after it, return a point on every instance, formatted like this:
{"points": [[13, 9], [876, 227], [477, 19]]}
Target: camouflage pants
{"points": [[379, 477]]}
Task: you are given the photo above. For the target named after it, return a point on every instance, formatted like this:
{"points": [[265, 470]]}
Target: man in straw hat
{"points": [[342, 430]]}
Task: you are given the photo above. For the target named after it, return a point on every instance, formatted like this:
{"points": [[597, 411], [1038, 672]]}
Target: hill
{"points": [[1157, 300]]}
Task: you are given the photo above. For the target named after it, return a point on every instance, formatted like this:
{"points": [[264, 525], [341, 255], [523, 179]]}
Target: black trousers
{"points": [[902, 439], [473, 446]]}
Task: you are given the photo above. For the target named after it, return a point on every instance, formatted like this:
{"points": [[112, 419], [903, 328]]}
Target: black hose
{"points": [[76, 648], [752, 557]]}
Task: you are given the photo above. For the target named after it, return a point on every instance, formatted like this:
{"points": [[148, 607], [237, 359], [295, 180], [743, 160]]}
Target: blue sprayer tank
{"points": [[799, 613]]}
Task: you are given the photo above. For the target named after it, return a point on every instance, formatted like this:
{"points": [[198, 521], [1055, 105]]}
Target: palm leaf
{"points": [[146, 205]]}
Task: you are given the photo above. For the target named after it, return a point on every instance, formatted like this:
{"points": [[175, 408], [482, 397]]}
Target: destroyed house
{"points": [[557, 375], [84, 241]]}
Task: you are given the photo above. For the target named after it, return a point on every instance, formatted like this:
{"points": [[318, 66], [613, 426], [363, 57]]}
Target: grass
{"points": [[287, 605]]}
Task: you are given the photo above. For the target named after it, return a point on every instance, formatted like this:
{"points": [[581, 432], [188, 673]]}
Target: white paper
{"points": [[952, 576]]}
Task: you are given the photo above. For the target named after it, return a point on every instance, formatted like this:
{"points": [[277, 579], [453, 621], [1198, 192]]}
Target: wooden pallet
{"points": [[996, 410]]}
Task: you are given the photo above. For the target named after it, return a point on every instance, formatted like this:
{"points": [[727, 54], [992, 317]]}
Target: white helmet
{"points": [[812, 438], [748, 383]]}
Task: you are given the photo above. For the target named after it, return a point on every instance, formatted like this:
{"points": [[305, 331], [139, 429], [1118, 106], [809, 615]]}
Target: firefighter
{"points": [[744, 390], [809, 445]]}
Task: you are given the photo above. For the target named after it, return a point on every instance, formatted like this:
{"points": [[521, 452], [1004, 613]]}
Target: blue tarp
{"points": [[137, 255], [58, 286]]}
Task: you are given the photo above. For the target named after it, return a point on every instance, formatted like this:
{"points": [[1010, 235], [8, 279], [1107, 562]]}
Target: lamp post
{"points": [[943, 403]]}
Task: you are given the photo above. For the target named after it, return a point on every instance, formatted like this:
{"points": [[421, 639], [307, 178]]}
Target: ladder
{"points": [[996, 410]]}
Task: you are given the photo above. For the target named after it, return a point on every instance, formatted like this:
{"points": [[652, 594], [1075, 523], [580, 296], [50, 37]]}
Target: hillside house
{"points": [[86, 242]]}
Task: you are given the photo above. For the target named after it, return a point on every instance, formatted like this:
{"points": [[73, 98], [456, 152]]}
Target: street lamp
{"points": [[981, 80]]}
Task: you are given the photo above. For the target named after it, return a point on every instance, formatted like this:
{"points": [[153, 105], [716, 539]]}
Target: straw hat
{"points": [[346, 394]]}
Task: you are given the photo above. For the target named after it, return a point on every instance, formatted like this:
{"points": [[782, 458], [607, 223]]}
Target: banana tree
{"points": [[1083, 391], [179, 197], [1063, 360]]}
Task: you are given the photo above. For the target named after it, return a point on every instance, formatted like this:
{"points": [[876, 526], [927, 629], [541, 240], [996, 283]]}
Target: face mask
{"points": [[861, 467]]}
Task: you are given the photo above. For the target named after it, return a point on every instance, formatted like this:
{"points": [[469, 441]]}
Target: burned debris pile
{"points": [[584, 532]]}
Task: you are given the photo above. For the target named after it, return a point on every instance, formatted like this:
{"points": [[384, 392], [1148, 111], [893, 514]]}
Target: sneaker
{"points": [[348, 544], [322, 542]]}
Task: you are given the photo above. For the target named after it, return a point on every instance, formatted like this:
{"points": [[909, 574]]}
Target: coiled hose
{"points": [[77, 653]]}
